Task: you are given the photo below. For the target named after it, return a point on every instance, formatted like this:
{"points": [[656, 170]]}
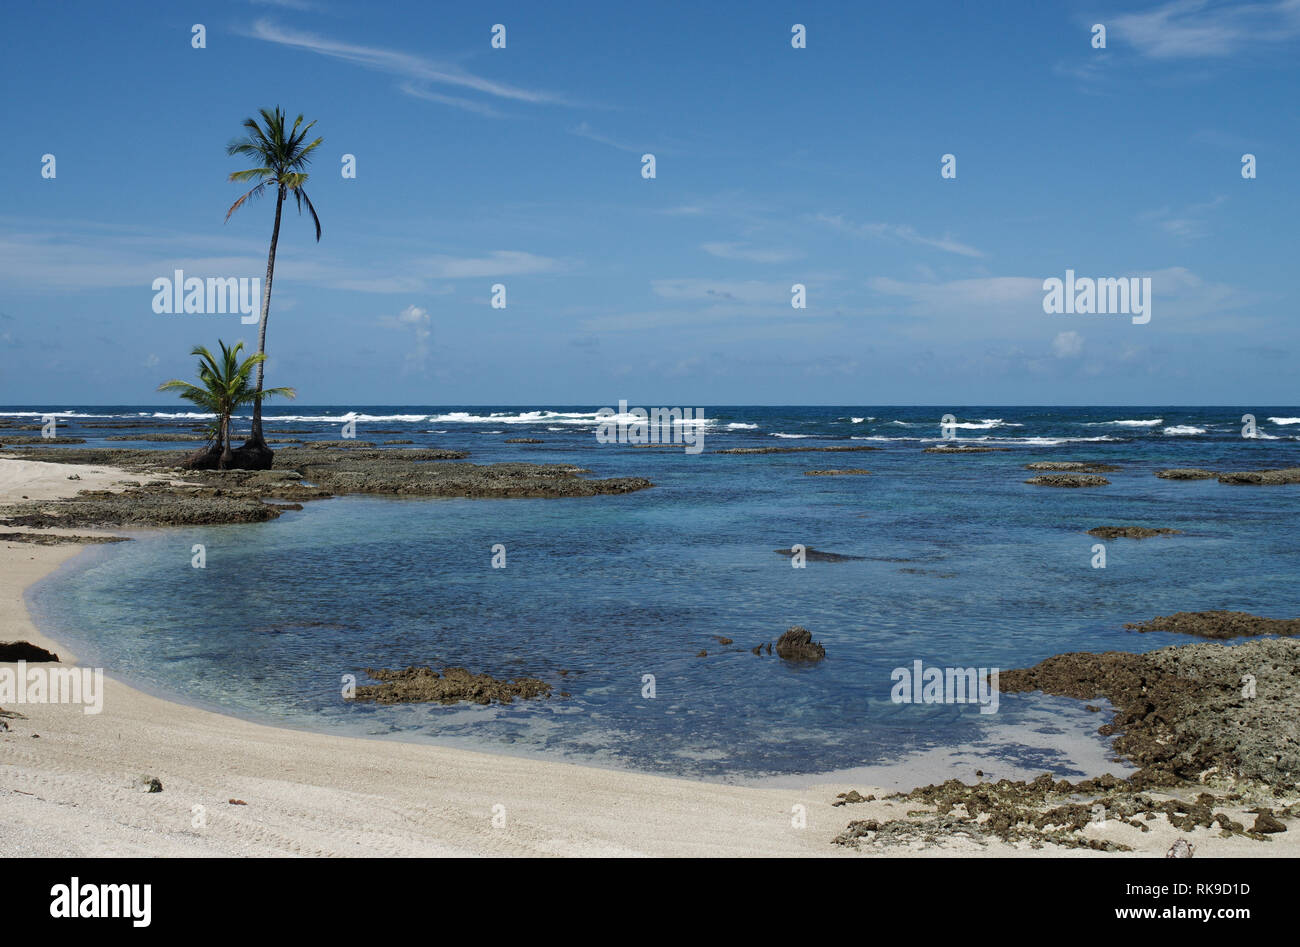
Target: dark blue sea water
{"points": [[963, 565]]}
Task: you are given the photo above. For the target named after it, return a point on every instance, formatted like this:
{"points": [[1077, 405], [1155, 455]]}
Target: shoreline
{"points": [[309, 793]]}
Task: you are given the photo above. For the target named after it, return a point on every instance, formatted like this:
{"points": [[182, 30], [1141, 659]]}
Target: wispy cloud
{"points": [[896, 232], [1188, 29], [496, 263], [469, 105], [586, 131], [1181, 301], [1187, 223], [60, 261], [415, 70], [304, 6], [743, 291], [740, 251]]}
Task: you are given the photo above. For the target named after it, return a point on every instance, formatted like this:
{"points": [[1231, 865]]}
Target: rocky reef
{"points": [[451, 685], [1211, 728]]}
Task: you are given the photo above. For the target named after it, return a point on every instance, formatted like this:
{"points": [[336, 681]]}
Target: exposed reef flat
{"points": [[1180, 711], [23, 440], [1262, 477], [1219, 624], [1186, 473], [176, 497], [59, 539]]}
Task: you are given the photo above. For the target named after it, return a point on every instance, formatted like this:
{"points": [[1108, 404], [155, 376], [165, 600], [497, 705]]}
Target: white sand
{"points": [[67, 792]]}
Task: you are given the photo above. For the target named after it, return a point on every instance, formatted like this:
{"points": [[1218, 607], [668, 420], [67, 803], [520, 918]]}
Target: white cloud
{"points": [[416, 320], [960, 295], [1188, 29], [1067, 344]]}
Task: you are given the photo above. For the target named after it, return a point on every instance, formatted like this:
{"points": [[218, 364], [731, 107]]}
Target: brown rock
{"points": [[796, 644]]}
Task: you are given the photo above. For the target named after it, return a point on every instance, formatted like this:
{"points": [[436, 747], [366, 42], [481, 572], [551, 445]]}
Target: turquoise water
{"points": [[963, 565]]}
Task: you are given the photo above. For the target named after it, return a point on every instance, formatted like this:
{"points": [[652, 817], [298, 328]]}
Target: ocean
{"points": [[961, 565]]}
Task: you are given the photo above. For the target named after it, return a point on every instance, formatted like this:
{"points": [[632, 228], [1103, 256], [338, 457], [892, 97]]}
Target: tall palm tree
{"points": [[280, 158], [224, 388]]}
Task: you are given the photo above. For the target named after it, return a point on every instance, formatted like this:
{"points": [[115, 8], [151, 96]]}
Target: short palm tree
{"points": [[280, 158], [224, 388]]}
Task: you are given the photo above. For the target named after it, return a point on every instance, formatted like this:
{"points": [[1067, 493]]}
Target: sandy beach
{"points": [[66, 779]]}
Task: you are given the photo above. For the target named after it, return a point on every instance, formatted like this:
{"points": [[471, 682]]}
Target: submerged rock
{"points": [[155, 438], [845, 472], [1068, 480], [816, 555], [796, 644], [1131, 532], [453, 684], [792, 450], [1219, 624], [524, 440], [963, 449], [1072, 466]]}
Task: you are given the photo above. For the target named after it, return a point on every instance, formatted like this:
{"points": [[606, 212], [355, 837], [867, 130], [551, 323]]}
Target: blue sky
{"points": [[775, 166]]}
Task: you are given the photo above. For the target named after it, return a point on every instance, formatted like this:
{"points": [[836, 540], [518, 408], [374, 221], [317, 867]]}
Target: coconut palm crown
{"points": [[280, 156]]}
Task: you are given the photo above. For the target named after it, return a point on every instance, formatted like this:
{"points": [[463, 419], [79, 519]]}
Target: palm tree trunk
{"points": [[224, 438], [256, 437]]}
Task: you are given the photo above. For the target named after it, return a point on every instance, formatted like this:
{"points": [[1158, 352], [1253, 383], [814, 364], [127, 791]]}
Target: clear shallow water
{"points": [[964, 565]]}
